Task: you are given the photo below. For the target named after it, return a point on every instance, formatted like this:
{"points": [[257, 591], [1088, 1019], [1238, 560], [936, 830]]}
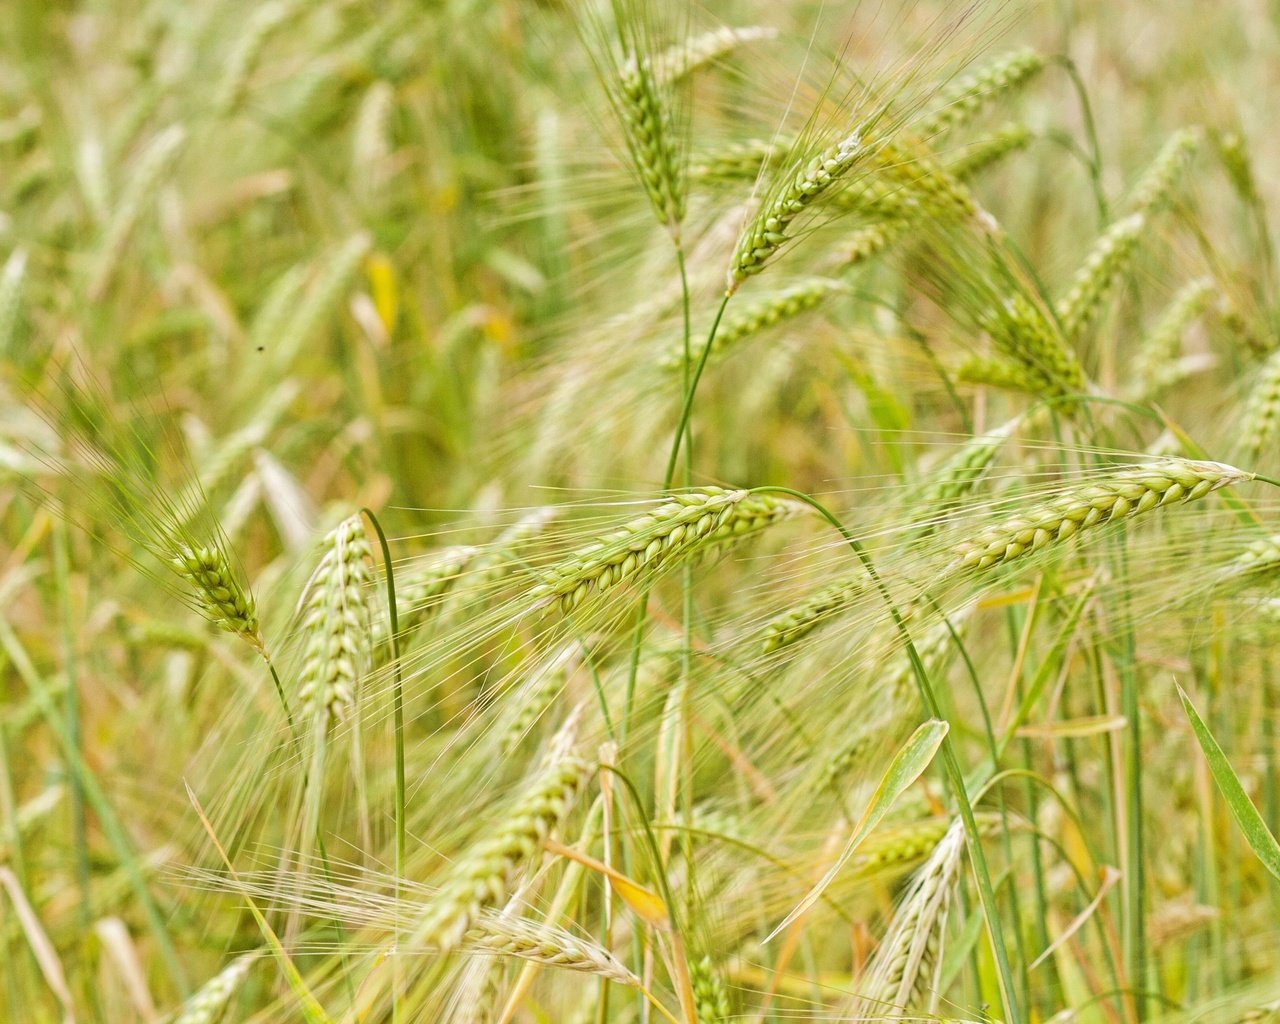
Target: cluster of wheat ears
{"points": [[790, 536]]}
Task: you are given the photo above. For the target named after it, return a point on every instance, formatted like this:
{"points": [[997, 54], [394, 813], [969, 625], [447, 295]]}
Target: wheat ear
{"points": [[903, 977], [659, 539], [803, 190], [484, 877], [336, 622], [1122, 494], [206, 1004], [218, 591]]}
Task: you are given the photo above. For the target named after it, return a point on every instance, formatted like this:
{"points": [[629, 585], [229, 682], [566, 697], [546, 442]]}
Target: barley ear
{"points": [[335, 620]]}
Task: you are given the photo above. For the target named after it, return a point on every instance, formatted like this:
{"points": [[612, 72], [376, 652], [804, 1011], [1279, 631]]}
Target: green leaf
{"points": [[908, 765], [1255, 830]]}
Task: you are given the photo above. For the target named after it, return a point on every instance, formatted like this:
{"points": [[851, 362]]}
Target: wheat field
{"points": [[556, 512]]}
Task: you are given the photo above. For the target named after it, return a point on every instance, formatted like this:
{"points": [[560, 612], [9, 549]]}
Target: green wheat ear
{"points": [[218, 593]]}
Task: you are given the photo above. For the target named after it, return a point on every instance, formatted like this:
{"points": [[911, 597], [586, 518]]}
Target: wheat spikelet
{"points": [[710, 997], [232, 88], [759, 315], [544, 944], [277, 308], [12, 279], [336, 623], [813, 612], [1153, 189], [1260, 558], [1109, 257], [903, 977], [697, 52], [1122, 494], [144, 182], [206, 1005], [218, 592], [497, 559], [977, 156], [478, 992], [964, 97], [997, 373], [1157, 363], [659, 539], [1262, 408], [802, 190], [648, 119], [485, 874]]}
